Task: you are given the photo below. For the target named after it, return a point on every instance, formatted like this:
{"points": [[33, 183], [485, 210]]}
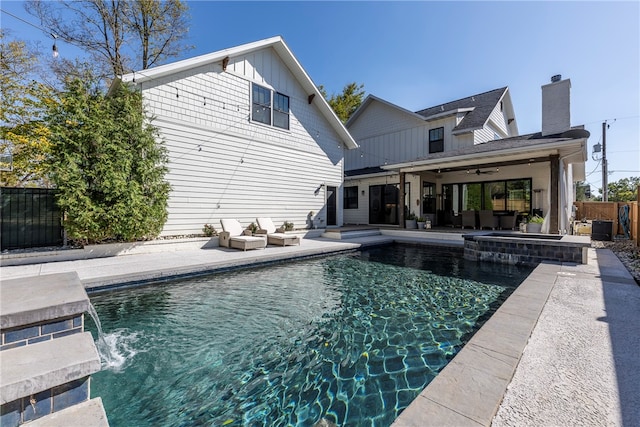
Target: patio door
{"points": [[331, 206], [383, 204]]}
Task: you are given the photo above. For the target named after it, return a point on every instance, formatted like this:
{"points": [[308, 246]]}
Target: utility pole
{"points": [[605, 197]]}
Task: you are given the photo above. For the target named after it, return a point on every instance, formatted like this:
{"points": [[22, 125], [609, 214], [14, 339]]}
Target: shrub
{"points": [[209, 230], [108, 165], [288, 226]]}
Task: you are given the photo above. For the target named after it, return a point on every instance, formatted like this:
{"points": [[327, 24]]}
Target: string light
{"points": [[54, 48]]}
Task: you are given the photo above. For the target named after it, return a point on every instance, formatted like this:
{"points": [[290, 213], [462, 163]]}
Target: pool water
{"points": [[349, 339]]}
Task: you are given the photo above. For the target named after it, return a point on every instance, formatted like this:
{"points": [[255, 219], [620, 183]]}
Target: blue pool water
{"points": [[351, 339]]}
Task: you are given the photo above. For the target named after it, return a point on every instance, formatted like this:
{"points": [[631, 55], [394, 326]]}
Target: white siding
{"points": [[361, 215], [386, 135], [221, 165], [496, 124]]}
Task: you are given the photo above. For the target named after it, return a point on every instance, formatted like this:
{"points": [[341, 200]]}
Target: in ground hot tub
{"points": [[525, 249]]}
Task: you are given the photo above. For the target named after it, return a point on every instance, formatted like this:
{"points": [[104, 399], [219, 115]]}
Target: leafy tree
{"points": [[160, 27], [624, 190], [106, 164], [583, 191], [106, 29], [23, 137], [346, 103]]}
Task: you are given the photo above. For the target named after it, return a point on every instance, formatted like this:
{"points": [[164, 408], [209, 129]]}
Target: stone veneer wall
{"points": [[44, 331], [525, 250], [46, 357], [44, 403]]}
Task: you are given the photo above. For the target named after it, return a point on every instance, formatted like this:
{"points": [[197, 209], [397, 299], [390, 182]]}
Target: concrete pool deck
{"points": [[563, 349]]}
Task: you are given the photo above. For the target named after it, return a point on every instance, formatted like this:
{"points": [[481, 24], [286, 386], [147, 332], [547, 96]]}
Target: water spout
{"points": [[107, 344]]}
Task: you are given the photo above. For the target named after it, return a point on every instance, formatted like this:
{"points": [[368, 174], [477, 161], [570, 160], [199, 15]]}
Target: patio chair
{"points": [[488, 220], [469, 219], [508, 222], [275, 236], [235, 236]]}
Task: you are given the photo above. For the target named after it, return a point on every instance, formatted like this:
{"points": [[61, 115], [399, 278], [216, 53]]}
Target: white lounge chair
{"points": [[275, 236], [235, 236]]}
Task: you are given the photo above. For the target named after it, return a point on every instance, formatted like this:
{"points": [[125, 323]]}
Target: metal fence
{"points": [[29, 218]]}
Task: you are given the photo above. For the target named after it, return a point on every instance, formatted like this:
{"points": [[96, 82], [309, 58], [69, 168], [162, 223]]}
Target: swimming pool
{"points": [[351, 339]]}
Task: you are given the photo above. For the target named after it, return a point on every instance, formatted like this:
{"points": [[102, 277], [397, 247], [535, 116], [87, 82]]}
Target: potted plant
{"points": [[411, 221], [253, 228], [421, 222], [535, 224]]}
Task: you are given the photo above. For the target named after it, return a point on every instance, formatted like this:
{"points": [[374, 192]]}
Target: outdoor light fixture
{"points": [[54, 48]]}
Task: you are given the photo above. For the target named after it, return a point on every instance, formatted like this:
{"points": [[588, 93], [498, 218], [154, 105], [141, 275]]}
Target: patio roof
{"points": [[509, 151]]}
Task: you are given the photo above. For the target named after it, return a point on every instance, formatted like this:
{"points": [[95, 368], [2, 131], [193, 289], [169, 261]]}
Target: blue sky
{"points": [[420, 54]]}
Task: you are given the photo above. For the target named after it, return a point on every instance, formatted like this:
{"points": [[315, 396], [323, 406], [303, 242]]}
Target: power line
{"points": [[44, 30]]}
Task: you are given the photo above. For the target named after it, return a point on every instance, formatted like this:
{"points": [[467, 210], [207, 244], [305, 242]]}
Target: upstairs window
{"points": [[436, 140], [280, 111], [261, 111], [262, 101]]}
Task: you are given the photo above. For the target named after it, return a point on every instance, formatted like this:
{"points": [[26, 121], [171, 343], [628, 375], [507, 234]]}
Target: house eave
{"points": [[543, 148]]}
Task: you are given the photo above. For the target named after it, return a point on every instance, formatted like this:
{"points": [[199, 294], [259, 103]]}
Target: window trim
{"points": [[271, 106], [433, 148]]}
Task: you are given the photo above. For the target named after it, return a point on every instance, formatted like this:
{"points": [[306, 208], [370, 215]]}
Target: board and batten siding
{"points": [[386, 135], [223, 165]]}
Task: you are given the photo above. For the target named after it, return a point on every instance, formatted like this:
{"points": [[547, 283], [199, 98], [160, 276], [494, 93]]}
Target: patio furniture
{"points": [[488, 220], [449, 219], [508, 222], [275, 236], [469, 219], [235, 236]]}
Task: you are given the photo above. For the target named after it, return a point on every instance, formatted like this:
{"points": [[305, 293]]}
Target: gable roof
{"points": [[279, 46], [371, 99], [479, 109]]}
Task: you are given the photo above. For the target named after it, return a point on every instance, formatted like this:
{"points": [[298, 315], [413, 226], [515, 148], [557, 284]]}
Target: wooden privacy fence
{"points": [[609, 211]]}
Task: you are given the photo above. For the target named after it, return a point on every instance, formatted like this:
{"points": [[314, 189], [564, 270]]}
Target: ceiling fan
{"points": [[479, 172]]}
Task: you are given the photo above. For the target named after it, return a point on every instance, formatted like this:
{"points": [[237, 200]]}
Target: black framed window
{"points": [[504, 195], [261, 105], [281, 110], [351, 197], [262, 99], [436, 140]]}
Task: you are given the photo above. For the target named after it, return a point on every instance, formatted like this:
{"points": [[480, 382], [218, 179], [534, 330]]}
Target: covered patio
{"points": [[496, 185]]}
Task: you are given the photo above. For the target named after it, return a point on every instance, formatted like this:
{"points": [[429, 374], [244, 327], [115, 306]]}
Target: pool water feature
{"points": [[350, 339]]}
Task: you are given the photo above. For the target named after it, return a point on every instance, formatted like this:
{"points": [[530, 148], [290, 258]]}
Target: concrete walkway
{"points": [[581, 366], [563, 350]]}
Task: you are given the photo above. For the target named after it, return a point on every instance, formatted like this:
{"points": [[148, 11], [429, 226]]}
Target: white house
{"points": [[248, 135], [464, 155]]}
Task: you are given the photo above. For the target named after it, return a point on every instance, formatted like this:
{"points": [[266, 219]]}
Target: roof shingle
{"points": [[482, 104]]}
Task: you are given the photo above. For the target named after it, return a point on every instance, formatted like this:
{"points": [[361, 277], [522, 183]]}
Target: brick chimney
{"points": [[556, 105]]}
